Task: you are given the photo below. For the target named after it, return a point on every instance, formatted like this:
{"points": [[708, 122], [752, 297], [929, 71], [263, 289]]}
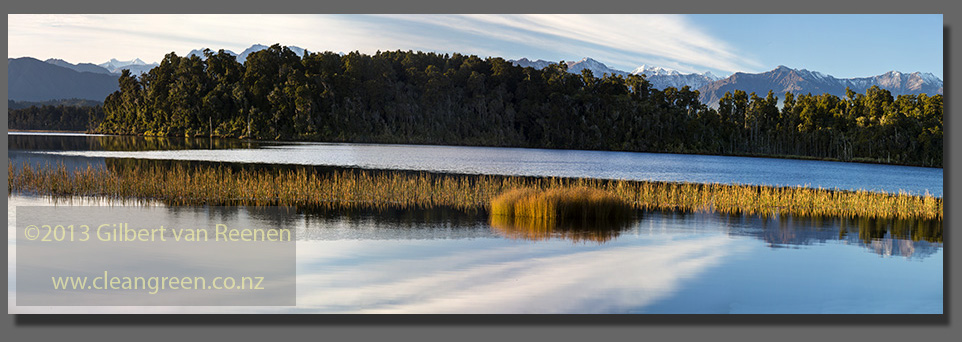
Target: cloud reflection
{"points": [[522, 278]]}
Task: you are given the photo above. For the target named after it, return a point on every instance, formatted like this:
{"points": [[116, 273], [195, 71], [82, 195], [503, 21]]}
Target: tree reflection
{"points": [[30, 142], [887, 237]]}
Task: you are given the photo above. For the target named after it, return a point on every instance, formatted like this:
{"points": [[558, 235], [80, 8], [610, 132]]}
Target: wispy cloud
{"points": [[88, 38], [622, 41]]}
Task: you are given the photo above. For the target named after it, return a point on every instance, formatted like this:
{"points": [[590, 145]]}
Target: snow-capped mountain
{"points": [[659, 77], [597, 68], [254, 48], [526, 63], [801, 81], [242, 57], [899, 83], [651, 70], [200, 53], [136, 66], [575, 67], [662, 78]]}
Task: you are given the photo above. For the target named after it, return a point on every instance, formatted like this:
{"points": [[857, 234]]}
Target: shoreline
{"points": [[49, 131], [744, 155]]}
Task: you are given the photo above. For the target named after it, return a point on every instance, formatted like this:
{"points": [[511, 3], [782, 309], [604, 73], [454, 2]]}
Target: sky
{"points": [[839, 45]]}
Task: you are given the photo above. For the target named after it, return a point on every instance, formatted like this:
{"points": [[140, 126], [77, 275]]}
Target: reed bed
{"points": [[561, 204], [360, 189], [579, 214]]}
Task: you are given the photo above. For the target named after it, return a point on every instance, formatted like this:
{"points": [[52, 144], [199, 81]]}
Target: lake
{"points": [[660, 262], [497, 161]]}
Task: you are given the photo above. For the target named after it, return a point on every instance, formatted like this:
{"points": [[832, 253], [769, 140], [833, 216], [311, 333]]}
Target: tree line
{"points": [[64, 116], [430, 98]]}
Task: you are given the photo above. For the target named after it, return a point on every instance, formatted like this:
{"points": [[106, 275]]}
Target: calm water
{"points": [[501, 161], [448, 262], [660, 263]]}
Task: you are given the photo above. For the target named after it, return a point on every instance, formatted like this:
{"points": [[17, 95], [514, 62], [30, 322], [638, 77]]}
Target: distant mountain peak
{"points": [[711, 76], [783, 79], [651, 70], [200, 52], [136, 66], [242, 57], [524, 62], [659, 77], [80, 67], [597, 68]]}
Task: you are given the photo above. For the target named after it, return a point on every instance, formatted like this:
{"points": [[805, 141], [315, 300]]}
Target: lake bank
{"points": [[248, 140]]}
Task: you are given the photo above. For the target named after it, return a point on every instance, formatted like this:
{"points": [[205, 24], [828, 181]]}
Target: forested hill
{"points": [[414, 97]]}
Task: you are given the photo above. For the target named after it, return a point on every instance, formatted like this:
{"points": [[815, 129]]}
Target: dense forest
{"points": [[415, 97], [11, 104], [66, 115]]}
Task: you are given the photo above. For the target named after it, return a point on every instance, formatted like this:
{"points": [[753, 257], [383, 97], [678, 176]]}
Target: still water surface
{"points": [[443, 262], [499, 161], [661, 263]]}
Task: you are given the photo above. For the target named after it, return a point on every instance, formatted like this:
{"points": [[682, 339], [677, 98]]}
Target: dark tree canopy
{"points": [[429, 98]]}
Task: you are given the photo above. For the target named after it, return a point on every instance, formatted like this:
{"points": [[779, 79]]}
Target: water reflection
{"points": [[445, 261], [916, 238], [910, 238], [484, 276], [599, 231], [502, 161], [69, 142], [19, 158]]}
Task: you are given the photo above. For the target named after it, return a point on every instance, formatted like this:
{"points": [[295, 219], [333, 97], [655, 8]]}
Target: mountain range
{"points": [[800, 81], [82, 67], [780, 80], [660, 78], [30, 79], [113, 66], [136, 66], [242, 57]]}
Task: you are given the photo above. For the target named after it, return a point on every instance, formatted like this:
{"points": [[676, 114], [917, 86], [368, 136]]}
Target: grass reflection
{"points": [[580, 231]]}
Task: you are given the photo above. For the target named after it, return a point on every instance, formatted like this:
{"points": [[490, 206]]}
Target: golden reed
{"points": [[360, 189]]}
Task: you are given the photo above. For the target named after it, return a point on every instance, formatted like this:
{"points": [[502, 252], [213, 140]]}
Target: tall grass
{"points": [[578, 214], [182, 184], [561, 204]]}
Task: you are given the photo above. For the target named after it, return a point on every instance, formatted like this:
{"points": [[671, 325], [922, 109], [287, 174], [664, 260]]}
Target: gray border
{"points": [[801, 328]]}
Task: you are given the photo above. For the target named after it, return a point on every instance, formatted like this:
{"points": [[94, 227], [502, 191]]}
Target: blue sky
{"points": [[839, 45]]}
